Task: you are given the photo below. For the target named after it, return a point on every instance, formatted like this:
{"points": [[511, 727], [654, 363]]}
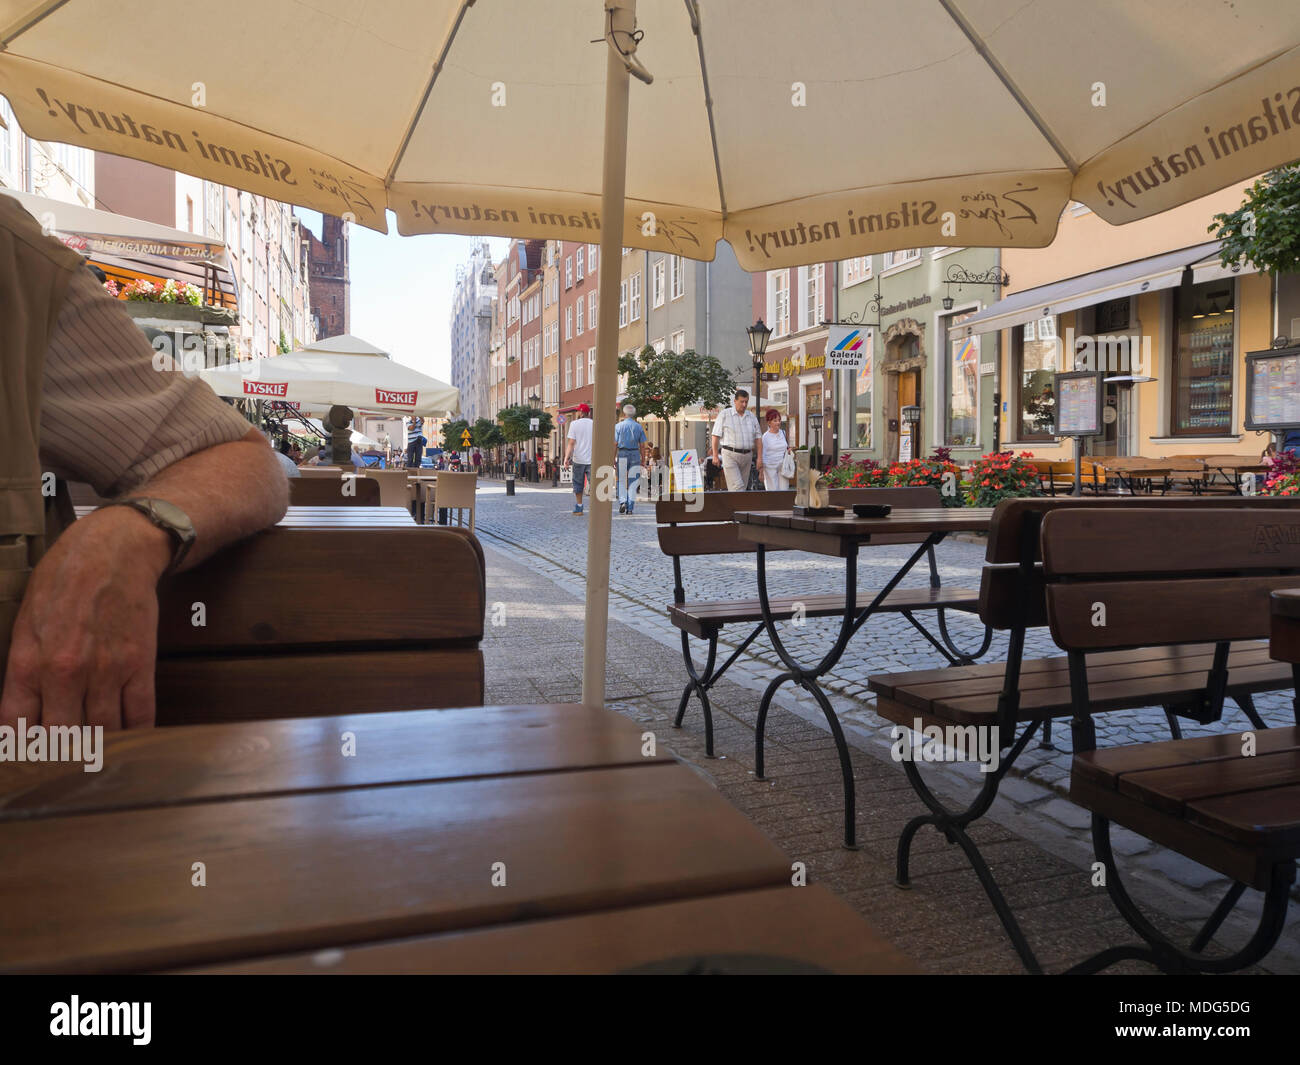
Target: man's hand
{"points": [[85, 639]]}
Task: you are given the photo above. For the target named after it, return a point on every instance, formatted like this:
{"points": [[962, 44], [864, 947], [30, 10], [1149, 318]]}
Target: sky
{"points": [[402, 289]]}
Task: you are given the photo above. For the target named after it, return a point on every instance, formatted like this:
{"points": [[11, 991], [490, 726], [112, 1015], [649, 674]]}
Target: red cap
{"points": [[583, 408]]}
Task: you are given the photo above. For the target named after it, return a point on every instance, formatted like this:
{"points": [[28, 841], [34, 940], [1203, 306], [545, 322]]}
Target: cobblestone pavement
{"points": [[536, 567]]}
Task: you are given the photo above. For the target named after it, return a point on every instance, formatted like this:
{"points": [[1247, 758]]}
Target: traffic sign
{"points": [[464, 437]]}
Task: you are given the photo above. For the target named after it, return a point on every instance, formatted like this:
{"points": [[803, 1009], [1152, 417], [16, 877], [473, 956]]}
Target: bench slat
{"points": [[699, 617], [1109, 765], [1173, 788], [1267, 819]]}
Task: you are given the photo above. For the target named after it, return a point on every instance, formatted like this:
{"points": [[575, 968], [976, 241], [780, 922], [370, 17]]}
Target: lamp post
{"points": [[534, 401], [759, 335], [815, 438], [912, 417]]}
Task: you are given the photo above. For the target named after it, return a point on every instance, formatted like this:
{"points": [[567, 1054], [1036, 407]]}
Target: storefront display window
{"points": [[1036, 355], [862, 390], [1201, 388], [961, 417]]}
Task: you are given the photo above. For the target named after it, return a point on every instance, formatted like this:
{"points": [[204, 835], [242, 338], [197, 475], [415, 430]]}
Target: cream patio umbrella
{"points": [[342, 370], [799, 131]]}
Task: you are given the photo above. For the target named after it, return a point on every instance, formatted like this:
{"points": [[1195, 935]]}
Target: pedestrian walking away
{"points": [[736, 432], [577, 452], [775, 447], [630, 439]]}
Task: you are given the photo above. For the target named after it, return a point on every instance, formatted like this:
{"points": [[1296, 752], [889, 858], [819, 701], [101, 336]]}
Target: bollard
{"points": [[510, 484]]}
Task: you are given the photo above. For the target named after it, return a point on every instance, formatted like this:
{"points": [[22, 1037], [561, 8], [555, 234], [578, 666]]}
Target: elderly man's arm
{"points": [[119, 416], [85, 641]]}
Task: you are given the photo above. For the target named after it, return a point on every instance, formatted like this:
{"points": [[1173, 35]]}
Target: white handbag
{"points": [[787, 463]]}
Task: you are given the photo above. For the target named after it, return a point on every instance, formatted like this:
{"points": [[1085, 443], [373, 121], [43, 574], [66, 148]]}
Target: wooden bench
{"points": [[704, 526], [1231, 803], [338, 491], [305, 621], [1056, 477], [1015, 699]]}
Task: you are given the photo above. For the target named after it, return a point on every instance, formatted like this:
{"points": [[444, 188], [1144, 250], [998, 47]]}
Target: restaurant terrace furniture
{"points": [[842, 537], [313, 617], [347, 490], [1232, 802], [1007, 703], [490, 839], [392, 486], [705, 527], [1056, 477], [454, 491]]}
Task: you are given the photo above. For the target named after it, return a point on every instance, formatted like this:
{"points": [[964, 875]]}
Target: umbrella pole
{"points": [[623, 16]]}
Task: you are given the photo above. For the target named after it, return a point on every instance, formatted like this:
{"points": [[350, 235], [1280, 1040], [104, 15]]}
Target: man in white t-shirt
{"points": [[736, 432], [577, 452]]}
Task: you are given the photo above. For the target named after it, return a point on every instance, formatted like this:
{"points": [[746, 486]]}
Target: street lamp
{"points": [[759, 335], [534, 401], [911, 415], [815, 436]]}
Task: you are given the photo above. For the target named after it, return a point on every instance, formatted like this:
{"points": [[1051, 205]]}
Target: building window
{"points": [[578, 275], [622, 305], [577, 369], [568, 374], [591, 309], [635, 296], [568, 272], [676, 277], [902, 257], [591, 258], [679, 341], [862, 390], [962, 402], [657, 287], [581, 307], [1035, 363], [591, 366], [1201, 390], [779, 302], [856, 270], [568, 323], [659, 346], [812, 302]]}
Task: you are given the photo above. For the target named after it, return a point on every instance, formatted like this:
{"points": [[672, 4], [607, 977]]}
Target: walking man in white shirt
{"points": [[736, 433], [578, 452]]}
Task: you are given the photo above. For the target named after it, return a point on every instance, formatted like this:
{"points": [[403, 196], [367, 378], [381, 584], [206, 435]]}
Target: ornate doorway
{"points": [[904, 369]]}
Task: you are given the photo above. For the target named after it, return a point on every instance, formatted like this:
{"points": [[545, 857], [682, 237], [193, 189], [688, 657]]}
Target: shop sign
{"points": [[846, 347]]}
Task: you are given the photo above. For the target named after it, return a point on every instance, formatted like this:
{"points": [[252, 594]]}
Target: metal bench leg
{"points": [[1247, 704], [962, 657], [700, 686], [953, 826], [1175, 729], [1045, 741], [1167, 955]]}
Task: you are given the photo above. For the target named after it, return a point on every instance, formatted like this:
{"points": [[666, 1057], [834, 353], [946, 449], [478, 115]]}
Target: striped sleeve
{"points": [[113, 411]]}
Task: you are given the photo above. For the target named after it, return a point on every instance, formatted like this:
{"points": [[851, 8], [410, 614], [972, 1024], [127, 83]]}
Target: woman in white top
{"points": [[775, 445]]}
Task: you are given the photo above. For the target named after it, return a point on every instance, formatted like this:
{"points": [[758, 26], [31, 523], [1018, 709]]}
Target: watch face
{"points": [[174, 517]]}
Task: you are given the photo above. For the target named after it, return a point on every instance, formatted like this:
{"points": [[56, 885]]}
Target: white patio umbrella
{"points": [[342, 370], [800, 131]]}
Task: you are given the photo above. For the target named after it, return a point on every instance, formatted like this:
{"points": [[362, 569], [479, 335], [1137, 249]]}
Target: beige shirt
{"points": [[736, 430]]}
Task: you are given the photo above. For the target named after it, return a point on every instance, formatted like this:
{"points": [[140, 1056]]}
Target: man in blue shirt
{"points": [[629, 437]]}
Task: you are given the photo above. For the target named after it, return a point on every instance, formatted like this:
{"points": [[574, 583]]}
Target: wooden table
{"points": [[333, 517], [841, 537], [307, 848]]}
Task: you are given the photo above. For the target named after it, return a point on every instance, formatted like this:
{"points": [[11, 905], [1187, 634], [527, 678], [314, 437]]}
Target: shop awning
{"points": [[1128, 279], [126, 248]]}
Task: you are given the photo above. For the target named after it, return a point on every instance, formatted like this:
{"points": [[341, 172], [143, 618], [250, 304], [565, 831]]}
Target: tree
{"points": [[486, 434], [515, 423], [668, 382], [452, 434], [1265, 229]]}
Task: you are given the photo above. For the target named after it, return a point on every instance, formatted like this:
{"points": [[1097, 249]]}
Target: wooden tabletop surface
{"points": [[341, 517], [840, 536], [352, 835]]}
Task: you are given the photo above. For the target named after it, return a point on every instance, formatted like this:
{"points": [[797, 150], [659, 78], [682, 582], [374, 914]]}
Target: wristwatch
{"points": [[168, 517]]}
